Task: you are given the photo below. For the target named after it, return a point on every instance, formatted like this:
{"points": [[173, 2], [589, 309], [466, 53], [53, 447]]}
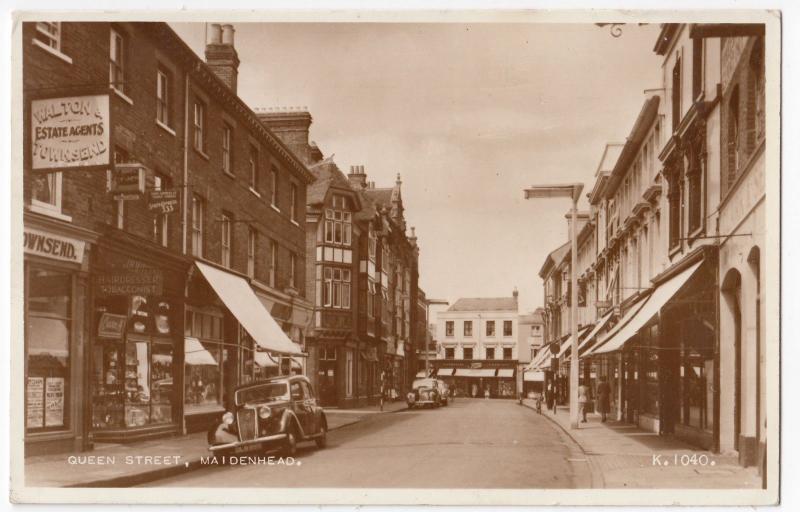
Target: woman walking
{"points": [[603, 398]]}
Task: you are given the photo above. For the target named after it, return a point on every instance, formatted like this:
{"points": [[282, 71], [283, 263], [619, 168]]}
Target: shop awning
{"points": [[475, 372], [263, 360], [540, 359], [534, 376], [195, 353], [660, 296], [421, 374], [587, 341], [632, 310], [242, 302], [567, 344], [505, 372], [444, 372]]}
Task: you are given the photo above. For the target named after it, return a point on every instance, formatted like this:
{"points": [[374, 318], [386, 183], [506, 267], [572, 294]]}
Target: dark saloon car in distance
{"points": [[274, 413], [427, 391]]}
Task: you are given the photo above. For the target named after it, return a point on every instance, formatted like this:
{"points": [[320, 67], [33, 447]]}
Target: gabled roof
{"points": [[554, 258], [327, 174], [485, 304], [536, 317], [380, 196]]}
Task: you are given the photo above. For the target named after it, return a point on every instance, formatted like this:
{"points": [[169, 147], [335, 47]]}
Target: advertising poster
{"points": [[35, 399], [54, 400]]}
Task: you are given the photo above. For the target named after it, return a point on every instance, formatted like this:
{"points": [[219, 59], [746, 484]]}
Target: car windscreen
{"points": [[263, 393], [423, 383]]}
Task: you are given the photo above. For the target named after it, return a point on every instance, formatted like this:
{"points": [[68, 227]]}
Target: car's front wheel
{"points": [[322, 439], [290, 444]]}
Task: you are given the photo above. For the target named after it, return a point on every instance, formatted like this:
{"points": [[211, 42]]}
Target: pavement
{"points": [[469, 444], [625, 456], [124, 465]]}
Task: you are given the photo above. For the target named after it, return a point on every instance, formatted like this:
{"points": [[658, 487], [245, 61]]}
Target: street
{"points": [[471, 443]]}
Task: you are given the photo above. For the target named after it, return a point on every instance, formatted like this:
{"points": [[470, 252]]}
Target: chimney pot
{"points": [[227, 34], [215, 34]]}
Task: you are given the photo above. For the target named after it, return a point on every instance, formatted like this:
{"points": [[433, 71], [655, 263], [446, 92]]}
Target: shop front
{"points": [[136, 350], [56, 290]]}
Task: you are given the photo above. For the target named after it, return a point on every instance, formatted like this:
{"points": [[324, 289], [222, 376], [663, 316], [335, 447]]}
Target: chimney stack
{"points": [[357, 176], [515, 293], [221, 54]]}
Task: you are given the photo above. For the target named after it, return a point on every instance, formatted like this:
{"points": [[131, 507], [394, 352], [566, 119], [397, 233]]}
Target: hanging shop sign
{"points": [[111, 326], [48, 245], [128, 179], [70, 133], [163, 201]]}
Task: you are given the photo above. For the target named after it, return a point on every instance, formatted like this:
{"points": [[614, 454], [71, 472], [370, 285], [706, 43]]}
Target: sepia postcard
{"points": [[375, 257]]}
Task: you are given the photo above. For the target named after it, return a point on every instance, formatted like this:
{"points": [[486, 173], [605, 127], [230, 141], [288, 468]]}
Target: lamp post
{"points": [[573, 191], [428, 304]]}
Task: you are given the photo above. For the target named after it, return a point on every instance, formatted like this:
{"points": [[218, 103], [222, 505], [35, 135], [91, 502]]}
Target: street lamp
{"points": [[573, 191], [428, 304]]}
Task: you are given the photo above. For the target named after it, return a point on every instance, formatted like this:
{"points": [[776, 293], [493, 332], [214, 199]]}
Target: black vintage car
{"points": [[273, 414]]}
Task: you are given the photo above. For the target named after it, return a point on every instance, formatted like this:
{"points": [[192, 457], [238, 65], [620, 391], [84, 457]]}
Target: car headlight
{"points": [[264, 412], [227, 418]]}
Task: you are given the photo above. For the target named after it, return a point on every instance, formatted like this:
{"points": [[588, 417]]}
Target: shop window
{"points": [[468, 353], [507, 353], [132, 367], [117, 62], [490, 353], [48, 325], [468, 328], [507, 328], [349, 373], [449, 328], [204, 362]]}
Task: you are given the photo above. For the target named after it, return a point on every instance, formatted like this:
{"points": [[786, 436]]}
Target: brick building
{"points": [[163, 223]]}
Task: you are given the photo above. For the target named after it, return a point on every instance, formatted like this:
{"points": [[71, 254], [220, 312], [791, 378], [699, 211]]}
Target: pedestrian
{"points": [[604, 398], [474, 391], [550, 398], [583, 400], [486, 393]]}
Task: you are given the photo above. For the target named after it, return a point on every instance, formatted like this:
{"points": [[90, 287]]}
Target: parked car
{"points": [[273, 414], [424, 392]]}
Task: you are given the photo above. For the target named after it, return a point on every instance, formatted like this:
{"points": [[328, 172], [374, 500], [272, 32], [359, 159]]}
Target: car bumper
{"points": [[245, 445]]}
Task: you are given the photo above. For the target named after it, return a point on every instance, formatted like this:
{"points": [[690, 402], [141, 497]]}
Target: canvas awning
{"points": [[263, 360], [505, 372], [567, 344], [587, 341], [475, 372], [195, 354], [651, 307], [444, 372], [535, 376], [243, 303]]}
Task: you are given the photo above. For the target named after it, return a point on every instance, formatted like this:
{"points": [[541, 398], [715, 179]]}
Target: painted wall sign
{"points": [[42, 243], [71, 132], [142, 282], [163, 201]]}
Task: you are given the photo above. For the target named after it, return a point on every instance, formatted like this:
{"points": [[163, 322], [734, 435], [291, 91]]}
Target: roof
{"points": [[554, 258], [536, 317], [380, 196], [645, 119], [327, 174], [485, 304]]}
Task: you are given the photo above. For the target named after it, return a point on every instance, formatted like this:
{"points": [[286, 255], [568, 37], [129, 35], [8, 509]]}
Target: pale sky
{"points": [[469, 115]]}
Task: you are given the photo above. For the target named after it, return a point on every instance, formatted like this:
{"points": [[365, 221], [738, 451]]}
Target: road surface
{"points": [[472, 443]]}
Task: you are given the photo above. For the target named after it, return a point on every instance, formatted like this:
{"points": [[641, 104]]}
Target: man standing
{"points": [[603, 398]]}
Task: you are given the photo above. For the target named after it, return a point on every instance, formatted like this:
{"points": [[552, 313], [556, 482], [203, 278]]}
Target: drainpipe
{"points": [[185, 184]]}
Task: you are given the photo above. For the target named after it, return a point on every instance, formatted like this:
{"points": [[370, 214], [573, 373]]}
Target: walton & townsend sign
{"points": [[70, 133]]}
